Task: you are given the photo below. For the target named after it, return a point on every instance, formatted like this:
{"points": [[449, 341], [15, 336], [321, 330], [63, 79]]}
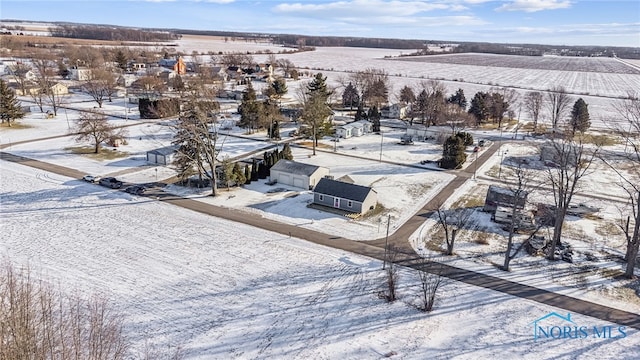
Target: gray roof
{"points": [[164, 151], [296, 168], [342, 190]]}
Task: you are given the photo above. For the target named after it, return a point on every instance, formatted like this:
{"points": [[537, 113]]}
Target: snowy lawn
{"points": [[218, 289]]}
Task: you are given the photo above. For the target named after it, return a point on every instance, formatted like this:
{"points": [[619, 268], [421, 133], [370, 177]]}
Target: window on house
{"points": [[321, 197], [349, 203]]}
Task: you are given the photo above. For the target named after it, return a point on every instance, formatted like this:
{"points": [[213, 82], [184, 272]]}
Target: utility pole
{"points": [[386, 243]]}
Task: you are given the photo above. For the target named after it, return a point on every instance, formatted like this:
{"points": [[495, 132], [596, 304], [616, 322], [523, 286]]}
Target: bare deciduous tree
{"points": [[391, 274], [100, 85], [95, 127], [627, 165], [573, 160], [558, 102], [196, 137], [533, 105], [431, 279], [40, 322], [521, 188], [452, 221]]}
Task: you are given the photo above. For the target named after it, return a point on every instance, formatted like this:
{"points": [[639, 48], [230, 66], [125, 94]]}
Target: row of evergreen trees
{"points": [[257, 170]]}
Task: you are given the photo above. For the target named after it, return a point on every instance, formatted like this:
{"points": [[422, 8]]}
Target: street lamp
{"points": [[501, 157]]}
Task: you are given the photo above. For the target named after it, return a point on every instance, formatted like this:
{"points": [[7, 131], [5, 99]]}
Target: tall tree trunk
{"points": [[633, 246]]}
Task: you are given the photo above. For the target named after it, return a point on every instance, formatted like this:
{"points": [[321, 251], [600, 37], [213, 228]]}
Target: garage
{"points": [[296, 174]]}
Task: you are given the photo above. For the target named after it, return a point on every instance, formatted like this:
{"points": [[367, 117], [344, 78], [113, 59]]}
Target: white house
{"points": [[297, 174], [422, 132], [395, 111], [344, 131], [366, 126], [80, 73]]}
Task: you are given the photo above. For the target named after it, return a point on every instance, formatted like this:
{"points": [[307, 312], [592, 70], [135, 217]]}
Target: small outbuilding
{"points": [[296, 174], [345, 196], [498, 196], [162, 156]]}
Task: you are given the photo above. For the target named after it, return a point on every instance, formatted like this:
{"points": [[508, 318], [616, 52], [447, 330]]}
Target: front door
{"points": [[336, 202]]}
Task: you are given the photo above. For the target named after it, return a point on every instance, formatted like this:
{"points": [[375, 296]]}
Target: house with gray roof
{"points": [[296, 174], [345, 196]]}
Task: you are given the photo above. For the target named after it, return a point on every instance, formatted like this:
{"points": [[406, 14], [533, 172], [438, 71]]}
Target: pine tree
{"points": [[238, 175], [254, 170], [250, 109], [374, 117], [247, 175], [263, 172], [10, 109], [286, 152], [407, 96], [361, 114], [479, 108], [580, 120], [453, 155], [459, 99], [350, 96]]}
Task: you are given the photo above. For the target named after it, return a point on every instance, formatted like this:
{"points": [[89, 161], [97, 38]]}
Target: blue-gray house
{"points": [[345, 196]]}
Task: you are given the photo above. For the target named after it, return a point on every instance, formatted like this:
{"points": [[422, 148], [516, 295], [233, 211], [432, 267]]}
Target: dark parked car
{"points": [[111, 182], [135, 190]]}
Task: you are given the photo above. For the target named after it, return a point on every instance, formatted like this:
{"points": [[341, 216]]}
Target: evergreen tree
{"points": [[580, 120], [407, 95], [479, 107], [361, 114], [466, 137], [250, 109], [374, 117], [316, 111], [318, 86], [421, 105], [238, 175], [10, 109], [254, 170], [263, 172], [274, 130], [350, 96], [453, 155], [247, 175], [459, 99], [121, 60], [286, 152]]}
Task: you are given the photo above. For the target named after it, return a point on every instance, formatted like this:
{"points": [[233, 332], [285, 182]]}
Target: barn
{"points": [[292, 173], [161, 156]]}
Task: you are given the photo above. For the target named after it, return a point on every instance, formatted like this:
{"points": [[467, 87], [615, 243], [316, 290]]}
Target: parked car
{"points": [[91, 178], [111, 182], [481, 143], [135, 190]]}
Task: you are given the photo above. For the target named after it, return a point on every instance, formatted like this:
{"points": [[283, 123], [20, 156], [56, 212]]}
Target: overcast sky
{"points": [[615, 23]]}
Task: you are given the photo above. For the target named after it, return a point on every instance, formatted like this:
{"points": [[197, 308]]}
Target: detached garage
{"points": [[162, 156], [297, 174]]}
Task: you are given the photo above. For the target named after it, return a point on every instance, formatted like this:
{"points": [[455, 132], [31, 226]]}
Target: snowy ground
{"points": [[224, 290]]}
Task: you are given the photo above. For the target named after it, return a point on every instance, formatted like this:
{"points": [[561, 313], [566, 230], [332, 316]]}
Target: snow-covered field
{"points": [[219, 290]]}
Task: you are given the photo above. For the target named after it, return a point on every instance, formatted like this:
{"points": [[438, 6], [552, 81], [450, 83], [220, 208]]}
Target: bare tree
{"points": [[286, 65], [627, 165], [572, 162], [196, 137], [38, 321], [533, 105], [94, 126], [100, 85], [391, 274], [521, 188], [452, 221], [558, 102], [46, 71], [20, 73], [431, 279]]}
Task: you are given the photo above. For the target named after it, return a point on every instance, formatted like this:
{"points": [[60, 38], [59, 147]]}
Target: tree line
{"points": [[95, 32]]}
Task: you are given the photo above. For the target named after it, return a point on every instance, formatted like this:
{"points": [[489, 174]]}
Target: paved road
{"points": [[375, 249]]}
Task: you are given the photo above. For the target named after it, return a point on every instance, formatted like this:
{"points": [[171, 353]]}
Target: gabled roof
{"points": [[164, 151], [342, 190], [292, 167]]}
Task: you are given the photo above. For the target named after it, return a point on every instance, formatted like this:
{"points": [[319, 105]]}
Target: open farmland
{"points": [[560, 63]]}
